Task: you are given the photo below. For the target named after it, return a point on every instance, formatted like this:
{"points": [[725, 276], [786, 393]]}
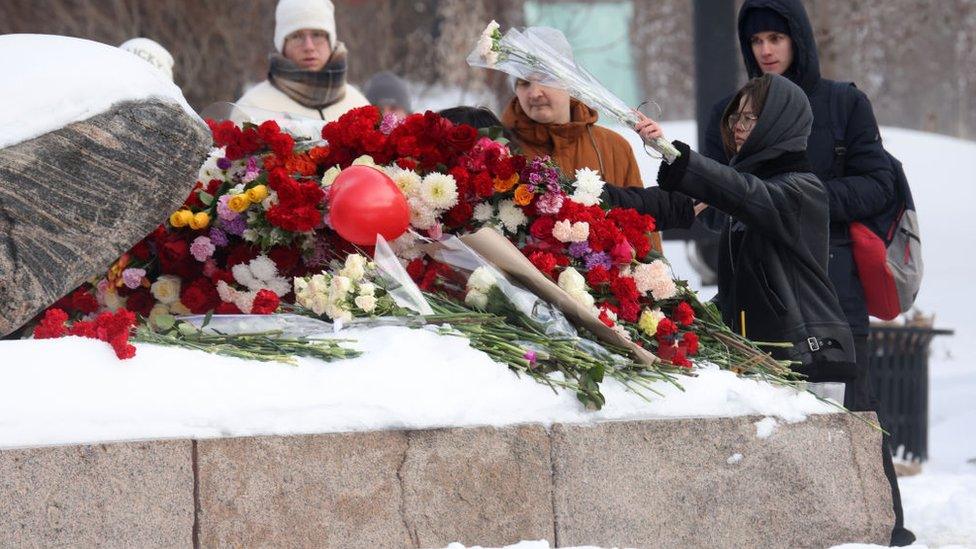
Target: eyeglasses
{"points": [[318, 37], [747, 120]]}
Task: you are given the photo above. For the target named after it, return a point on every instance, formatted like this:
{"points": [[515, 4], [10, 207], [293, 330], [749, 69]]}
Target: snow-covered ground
{"points": [[74, 390]]}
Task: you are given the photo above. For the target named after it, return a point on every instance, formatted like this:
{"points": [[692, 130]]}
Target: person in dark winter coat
{"points": [[772, 279], [775, 36]]}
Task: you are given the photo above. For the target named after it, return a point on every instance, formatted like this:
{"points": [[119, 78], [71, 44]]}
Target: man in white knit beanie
{"points": [[307, 77]]}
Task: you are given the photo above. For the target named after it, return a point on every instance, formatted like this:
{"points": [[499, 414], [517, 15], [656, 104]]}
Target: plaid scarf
{"points": [[312, 89]]}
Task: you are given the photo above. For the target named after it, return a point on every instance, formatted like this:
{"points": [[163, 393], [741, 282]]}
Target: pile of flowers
{"points": [[253, 237]]}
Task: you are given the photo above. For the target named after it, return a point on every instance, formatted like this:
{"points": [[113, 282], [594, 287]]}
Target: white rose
{"points": [[582, 297], [339, 287], [367, 288], [166, 289], [571, 280], [476, 299], [481, 280], [355, 267], [366, 302]]}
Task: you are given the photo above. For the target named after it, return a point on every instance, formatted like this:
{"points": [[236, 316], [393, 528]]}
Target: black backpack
{"points": [[887, 247]]}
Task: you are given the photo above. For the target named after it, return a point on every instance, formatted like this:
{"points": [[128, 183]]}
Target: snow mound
{"points": [[53, 81], [74, 390]]}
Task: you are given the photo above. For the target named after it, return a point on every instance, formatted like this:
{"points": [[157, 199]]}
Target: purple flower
{"points": [[201, 248], [549, 203], [234, 226], [531, 357], [132, 278], [598, 259], [251, 172], [218, 237], [223, 163], [223, 210], [579, 249]]}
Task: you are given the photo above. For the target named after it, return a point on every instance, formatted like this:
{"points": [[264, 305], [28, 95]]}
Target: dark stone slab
{"points": [[75, 199]]}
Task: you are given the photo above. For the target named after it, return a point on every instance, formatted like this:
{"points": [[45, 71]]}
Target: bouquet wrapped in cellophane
{"points": [[530, 55]]}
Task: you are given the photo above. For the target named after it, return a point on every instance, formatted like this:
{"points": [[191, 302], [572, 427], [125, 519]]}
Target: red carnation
{"points": [[690, 342], [140, 302], [683, 314], [543, 261], [285, 259], [51, 325], [200, 296], [459, 215], [629, 311], [666, 328], [265, 302], [416, 269], [83, 302], [624, 288], [597, 276], [140, 251], [483, 185]]}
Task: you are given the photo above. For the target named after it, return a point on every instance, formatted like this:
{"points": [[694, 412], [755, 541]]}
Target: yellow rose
{"points": [[200, 221], [239, 202], [180, 218], [257, 193]]}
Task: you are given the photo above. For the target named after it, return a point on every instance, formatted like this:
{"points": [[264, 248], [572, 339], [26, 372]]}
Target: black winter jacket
{"points": [[866, 183], [774, 249]]}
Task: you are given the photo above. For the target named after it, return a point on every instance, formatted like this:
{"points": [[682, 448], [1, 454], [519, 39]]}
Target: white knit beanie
{"points": [[293, 15], [152, 52]]}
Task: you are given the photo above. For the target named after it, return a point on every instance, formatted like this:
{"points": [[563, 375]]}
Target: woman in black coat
{"points": [[773, 283]]}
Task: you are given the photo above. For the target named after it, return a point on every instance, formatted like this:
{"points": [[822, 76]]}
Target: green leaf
{"points": [[206, 198], [206, 319]]}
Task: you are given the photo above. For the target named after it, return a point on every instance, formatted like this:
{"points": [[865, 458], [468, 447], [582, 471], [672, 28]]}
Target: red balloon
{"points": [[364, 202]]}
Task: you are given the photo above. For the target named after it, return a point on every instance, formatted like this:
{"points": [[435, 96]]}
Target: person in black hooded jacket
{"points": [[775, 36], [772, 279]]}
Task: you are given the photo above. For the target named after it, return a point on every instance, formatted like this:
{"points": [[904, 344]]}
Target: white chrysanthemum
{"points": [[571, 280], [482, 279], [166, 289], [476, 299], [439, 191], [511, 216], [355, 267], [408, 181], [209, 170], [366, 302], [330, 175], [407, 247], [263, 268], [422, 216], [483, 212], [588, 187]]}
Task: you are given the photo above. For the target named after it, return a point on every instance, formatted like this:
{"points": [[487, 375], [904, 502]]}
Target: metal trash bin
{"points": [[899, 372]]}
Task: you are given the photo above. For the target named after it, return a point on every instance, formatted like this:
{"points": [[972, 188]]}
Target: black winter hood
{"points": [[805, 70], [783, 126]]}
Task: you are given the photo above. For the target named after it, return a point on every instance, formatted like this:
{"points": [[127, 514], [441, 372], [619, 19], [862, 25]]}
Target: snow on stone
{"points": [[74, 390], [734, 458], [53, 81], [765, 427]]}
